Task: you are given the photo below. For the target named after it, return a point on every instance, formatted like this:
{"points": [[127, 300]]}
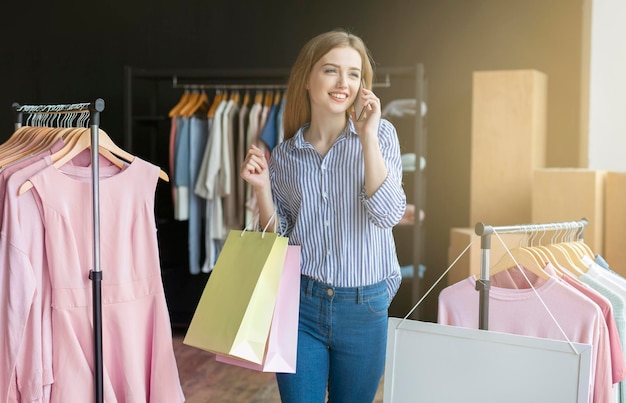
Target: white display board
{"points": [[429, 362]]}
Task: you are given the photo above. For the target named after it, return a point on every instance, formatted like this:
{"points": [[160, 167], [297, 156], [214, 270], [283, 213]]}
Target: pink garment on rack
{"points": [[23, 258], [21, 366], [618, 366], [138, 358], [24, 375], [516, 309]]}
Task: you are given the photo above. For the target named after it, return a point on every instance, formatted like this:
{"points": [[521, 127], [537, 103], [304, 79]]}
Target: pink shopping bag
{"points": [[282, 343]]}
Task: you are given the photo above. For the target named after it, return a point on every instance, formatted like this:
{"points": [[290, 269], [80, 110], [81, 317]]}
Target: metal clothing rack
{"points": [[95, 274], [485, 231], [220, 79], [204, 86]]}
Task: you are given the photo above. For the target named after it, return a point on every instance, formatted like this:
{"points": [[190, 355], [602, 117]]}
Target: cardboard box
{"points": [[508, 143]]}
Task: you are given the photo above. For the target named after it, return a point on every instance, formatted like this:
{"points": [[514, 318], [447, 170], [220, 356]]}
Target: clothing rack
{"points": [[485, 231], [161, 81], [227, 79], [95, 274], [202, 86]]}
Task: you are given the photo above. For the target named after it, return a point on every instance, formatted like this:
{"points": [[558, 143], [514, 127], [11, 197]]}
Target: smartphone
{"points": [[359, 107]]}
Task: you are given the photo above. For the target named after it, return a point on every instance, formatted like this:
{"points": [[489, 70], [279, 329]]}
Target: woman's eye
{"points": [[330, 71]]}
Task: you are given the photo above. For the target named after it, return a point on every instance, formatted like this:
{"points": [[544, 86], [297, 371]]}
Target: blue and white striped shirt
{"points": [[346, 238]]}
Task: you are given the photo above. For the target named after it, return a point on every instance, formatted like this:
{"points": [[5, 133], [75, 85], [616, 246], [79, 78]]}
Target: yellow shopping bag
{"points": [[234, 314]]}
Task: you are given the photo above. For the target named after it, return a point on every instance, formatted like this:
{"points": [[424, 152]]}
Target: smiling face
{"points": [[335, 80]]}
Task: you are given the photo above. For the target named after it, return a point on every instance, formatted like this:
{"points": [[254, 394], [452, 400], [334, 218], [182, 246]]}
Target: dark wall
{"points": [[68, 51], [71, 51]]}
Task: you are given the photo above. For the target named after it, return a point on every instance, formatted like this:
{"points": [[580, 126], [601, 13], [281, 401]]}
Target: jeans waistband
{"points": [[312, 287]]}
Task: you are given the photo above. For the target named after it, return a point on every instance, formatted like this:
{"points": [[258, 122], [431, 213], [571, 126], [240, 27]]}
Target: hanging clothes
{"points": [[208, 187], [230, 133], [232, 126], [46, 247], [269, 133], [613, 286], [188, 138]]}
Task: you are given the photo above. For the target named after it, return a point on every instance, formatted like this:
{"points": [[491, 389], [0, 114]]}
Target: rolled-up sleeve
{"points": [[386, 206]]}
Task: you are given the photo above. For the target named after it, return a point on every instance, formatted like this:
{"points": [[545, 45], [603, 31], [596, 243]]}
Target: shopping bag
{"points": [[234, 314], [282, 344]]}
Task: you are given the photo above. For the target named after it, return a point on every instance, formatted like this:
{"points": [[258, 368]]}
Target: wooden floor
{"points": [[205, 380]]}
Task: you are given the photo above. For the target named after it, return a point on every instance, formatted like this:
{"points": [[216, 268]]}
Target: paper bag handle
{"points": [[256, 217]]}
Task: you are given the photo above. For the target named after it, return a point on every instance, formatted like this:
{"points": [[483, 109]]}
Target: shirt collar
{"points": [[299, 141]]}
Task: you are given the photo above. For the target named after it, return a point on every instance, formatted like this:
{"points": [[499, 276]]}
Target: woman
{"points": [[335, 184]]}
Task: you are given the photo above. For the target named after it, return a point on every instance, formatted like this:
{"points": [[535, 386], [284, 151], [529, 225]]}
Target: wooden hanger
{"points": [[269, 98], [577, 248], [199, 105], [27, 135], [219, 96], [541, 254], [258, 97], [246, 98], [182, 102], [574, 250], [585, 248], [554, 262], [17, 141], [524, 258], [580, 242], [46, 138], [34, 140], [277, 97], [564, 259], [106, 147], [561, 270], [571, 251], [234, 96], [19, 135]]}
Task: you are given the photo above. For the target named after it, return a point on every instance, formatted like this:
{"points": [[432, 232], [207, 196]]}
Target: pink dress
{"points": [[138, 358]]}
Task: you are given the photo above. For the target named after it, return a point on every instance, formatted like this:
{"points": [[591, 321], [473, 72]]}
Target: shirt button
{"points": [[330, 292]]}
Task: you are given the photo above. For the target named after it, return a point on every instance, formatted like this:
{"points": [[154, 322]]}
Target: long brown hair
{"points": [[297, 104]]}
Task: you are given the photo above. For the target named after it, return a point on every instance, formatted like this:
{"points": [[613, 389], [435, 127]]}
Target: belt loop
{"points": [[359, 295], [309, 287]]}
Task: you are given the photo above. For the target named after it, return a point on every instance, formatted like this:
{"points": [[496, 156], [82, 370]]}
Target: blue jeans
{"points": [[342, 338]]}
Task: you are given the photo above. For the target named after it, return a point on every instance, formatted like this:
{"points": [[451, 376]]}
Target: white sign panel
{"points": [[433, 363]]}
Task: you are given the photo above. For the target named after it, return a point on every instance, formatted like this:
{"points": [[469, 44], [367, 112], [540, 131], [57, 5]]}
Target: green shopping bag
{"points": [[234, 314]]}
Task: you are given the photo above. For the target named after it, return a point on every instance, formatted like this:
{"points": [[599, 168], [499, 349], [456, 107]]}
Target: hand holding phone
{"points": [[359, 104]]}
